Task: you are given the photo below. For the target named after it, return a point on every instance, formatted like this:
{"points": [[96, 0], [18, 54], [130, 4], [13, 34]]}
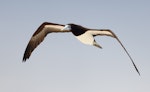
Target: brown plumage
{"points": [[39, 36], [84, 35]]}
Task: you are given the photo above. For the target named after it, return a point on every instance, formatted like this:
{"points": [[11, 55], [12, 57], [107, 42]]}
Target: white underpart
{"points": [[96, 32], [54, 26], [86, 38]]}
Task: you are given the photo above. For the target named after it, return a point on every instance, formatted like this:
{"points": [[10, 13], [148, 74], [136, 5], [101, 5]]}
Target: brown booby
{"points": [[83, 34]]}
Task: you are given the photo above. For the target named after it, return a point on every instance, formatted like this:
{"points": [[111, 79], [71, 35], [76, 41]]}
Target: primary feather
{"points": [[85, 35]]}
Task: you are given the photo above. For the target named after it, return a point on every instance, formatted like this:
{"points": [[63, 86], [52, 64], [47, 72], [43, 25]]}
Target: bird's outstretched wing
{"points": [[39, 36], [107, 32]]}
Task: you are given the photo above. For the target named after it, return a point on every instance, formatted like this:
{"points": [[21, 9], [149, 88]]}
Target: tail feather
{"points": [[96, 44]]}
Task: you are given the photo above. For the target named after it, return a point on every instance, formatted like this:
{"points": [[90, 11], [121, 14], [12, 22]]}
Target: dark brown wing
{"points": [[107, 32], [39, 36]]}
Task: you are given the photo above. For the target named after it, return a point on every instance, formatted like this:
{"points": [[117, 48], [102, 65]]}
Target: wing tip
{"points": [[25, 57], [136, 69], [27, 53]]}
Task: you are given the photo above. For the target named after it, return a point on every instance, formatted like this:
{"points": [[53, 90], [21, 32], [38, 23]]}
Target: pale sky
{"points": [[63, 64]]}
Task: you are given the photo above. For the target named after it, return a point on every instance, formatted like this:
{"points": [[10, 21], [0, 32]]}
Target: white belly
{"points": [[86, 38]]}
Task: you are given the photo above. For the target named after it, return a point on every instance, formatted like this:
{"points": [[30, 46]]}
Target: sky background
{"points": [[61, 63]]}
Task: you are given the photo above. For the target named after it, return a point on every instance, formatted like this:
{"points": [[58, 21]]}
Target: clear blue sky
{"points": [[63, 64]]}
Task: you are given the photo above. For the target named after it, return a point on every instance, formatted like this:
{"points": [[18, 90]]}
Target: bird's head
{"points": [[70, 27]]}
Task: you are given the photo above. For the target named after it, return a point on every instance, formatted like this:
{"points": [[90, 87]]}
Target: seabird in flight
{"points": [[83, 34]]}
